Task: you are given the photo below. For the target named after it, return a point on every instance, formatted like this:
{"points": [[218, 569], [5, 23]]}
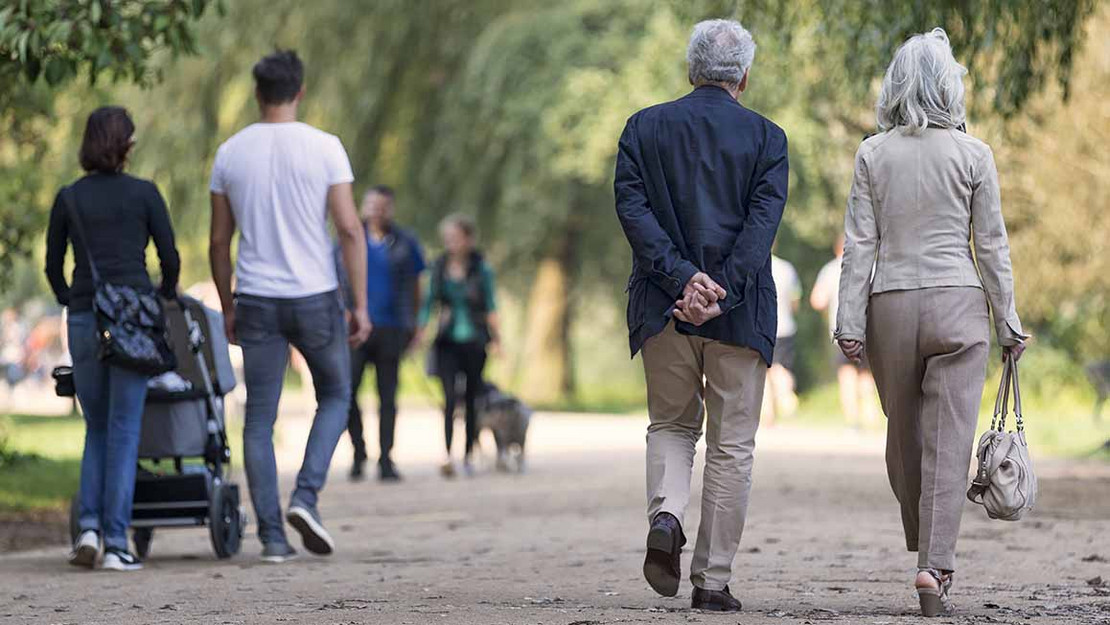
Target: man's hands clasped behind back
{"points": [[701, 300]]}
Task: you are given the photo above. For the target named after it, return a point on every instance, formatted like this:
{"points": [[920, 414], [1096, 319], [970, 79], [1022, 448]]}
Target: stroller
{"points": [[186, 422]]}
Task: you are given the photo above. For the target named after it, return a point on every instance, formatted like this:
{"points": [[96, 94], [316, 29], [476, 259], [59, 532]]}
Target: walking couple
{"points": [[701, 185]]}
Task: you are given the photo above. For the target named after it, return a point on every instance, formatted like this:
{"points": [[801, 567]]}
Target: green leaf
{"points": [[57, 70]]}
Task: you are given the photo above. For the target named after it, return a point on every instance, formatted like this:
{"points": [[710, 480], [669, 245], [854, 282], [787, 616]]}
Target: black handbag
{"points": [[130, 321]]}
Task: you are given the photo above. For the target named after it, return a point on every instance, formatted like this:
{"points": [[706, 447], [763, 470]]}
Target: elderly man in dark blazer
{"points": [[700, 190]]}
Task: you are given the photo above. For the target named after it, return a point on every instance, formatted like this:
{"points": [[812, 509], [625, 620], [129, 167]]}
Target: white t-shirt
{"points": [[789, 291], [828, 281], [276, 178]]}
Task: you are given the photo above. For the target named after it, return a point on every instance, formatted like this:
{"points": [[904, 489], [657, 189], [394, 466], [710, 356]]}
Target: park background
{"points": [[510, 111]]}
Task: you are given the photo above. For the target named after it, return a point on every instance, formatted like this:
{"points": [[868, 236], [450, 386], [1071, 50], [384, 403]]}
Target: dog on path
{"points": [[507, 418]]}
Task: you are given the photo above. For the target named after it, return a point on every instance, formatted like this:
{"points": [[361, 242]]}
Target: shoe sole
{"points": [[315, 537], [715, 607], [278, 559], [658, 570], [121, 568], [85, 556]]}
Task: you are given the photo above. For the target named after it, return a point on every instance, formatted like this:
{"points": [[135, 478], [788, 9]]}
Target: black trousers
{"points": [[455, 361], [383, 350]]}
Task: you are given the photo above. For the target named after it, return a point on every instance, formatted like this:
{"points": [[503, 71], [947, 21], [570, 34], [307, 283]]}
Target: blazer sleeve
{"points": [[651, 245], [861, 243], [752, 249], [992, 251]]}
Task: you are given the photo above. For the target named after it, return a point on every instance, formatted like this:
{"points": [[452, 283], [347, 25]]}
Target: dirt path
{"points": [[563, 545]]}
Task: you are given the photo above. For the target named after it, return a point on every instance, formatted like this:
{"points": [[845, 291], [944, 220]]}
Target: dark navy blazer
{"points": [[701, 186]]}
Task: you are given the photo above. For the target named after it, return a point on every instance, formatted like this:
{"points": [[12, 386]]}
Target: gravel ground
{"points": [[563, 545]]}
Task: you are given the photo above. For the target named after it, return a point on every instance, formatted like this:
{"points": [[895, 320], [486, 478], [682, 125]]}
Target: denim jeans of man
{"points": [[266, 328], [112, 400]]}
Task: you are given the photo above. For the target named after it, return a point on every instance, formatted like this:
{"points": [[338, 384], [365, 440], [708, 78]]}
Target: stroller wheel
{"points": [[74, 518], [225, 521], [142, 537]]}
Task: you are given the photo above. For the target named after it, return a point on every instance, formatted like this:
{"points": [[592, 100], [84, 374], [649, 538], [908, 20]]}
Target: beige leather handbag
{"points": [[1005, 483]]}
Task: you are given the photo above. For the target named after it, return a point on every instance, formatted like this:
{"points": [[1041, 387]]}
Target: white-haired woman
{"points": [[915, 297]]}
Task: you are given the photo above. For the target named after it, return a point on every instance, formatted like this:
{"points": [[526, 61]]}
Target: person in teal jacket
{"points": [[462, 287]]}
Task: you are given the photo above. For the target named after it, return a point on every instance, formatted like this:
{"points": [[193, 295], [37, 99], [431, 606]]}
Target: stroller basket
{"points": [[176, 423]]}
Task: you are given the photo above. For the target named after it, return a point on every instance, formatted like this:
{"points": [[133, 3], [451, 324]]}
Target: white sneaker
{"points": [[85, 550], [120, 560], [316, 538]]}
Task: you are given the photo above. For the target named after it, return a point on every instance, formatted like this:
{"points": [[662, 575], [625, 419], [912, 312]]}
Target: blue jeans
{"points": [[266, 327], [112, 399]]}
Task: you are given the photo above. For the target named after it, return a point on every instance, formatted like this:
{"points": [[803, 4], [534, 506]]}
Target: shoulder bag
{"points": [[130, 321]]}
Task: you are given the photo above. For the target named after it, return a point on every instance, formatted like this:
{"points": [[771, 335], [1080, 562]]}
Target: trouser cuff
{"points": [[940, 562]]}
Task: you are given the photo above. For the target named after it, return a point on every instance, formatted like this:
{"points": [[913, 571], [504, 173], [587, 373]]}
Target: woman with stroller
{"points": [[119, 215], [462, 286]]}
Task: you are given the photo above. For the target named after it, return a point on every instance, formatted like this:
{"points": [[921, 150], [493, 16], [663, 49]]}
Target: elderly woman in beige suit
{"points": [[915, 297]]}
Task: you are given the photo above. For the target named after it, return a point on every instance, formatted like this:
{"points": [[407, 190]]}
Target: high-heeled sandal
{"points": [[934, 601]]}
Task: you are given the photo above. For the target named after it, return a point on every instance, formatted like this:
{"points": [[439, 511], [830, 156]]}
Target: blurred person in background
{"points": [[854, 381], [277, 182], [779, 398], [13, 336], [462, 289], [44, 347], [915, 295], [700, 190], [394, 262], [119, 215]]}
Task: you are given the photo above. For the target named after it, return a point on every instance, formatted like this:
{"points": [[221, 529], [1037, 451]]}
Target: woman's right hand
{"points": [[1013, 351], [417, 340]]}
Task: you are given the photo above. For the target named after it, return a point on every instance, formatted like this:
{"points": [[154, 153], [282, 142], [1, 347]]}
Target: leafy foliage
{"points": [[52, 42], [510, 110]]}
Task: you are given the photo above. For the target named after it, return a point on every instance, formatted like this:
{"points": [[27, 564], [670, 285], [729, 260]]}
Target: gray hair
{"points": [[720, 51], [923, 86]]}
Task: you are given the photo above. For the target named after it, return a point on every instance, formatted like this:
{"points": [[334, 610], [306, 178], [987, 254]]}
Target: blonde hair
{"points": [[463, 222], [923, 86]]}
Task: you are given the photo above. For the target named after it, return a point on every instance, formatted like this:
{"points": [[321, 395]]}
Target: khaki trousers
{"points": [[928, 351], [689, 377]]}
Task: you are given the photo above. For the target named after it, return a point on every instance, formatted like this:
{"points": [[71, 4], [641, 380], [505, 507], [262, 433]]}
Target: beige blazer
{"points": [[917, 205]]}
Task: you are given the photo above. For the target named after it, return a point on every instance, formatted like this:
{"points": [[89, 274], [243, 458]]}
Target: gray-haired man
{"points": [[700, 189]]}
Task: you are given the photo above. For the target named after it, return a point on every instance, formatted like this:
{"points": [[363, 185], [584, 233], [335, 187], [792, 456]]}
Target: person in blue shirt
{"points": [[394, 263]]}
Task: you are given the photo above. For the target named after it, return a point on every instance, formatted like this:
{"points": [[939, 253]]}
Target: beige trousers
{"points": [[928, 351], [690, 377]]}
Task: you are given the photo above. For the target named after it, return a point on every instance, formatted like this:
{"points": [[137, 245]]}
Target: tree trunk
{"points": [[548, 371], [546, 374]]}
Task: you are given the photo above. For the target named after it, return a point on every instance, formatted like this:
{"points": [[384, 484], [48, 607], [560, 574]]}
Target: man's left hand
{"points": [[696, 313]]}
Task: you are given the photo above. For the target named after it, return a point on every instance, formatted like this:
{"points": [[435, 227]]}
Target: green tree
{"points": [[45, 43], [510, 110]]}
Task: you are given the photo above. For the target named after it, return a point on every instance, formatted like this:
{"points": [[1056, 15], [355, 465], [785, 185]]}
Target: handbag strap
{"points": [[75, 217], [1001, 402]]}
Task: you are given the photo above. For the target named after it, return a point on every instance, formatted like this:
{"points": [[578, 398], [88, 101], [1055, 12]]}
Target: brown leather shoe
{"points": [[715, 600], [662, 565]]}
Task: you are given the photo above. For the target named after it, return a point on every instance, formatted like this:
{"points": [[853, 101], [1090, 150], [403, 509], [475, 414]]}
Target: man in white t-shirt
{"points": [[857, 387], [277, 181], [779, 398]]}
